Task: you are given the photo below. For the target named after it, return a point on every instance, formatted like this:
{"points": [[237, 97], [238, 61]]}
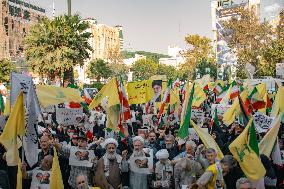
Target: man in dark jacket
{"points": [[170, 146]]}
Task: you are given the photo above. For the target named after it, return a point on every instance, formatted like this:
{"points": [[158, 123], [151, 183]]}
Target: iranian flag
{"points": [[218, 88], [257, 96], [222, 94], [235, 91], [87, 97], [124, 114], [166, 99]]}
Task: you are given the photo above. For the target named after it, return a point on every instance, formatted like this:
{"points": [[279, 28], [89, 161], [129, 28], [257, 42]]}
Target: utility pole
{"points": [[69, 7]]}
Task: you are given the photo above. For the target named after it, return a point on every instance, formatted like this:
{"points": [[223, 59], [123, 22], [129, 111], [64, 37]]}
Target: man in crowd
{"points": [[136, 180], [75, 170], [108, 169], [46, 148], [170, 146], [163, 171], [243, 183], [212, 178], [40, 175]]}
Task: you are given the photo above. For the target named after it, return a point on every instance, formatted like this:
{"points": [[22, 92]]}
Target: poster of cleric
{"points": [[79, 157], [142, 163]]}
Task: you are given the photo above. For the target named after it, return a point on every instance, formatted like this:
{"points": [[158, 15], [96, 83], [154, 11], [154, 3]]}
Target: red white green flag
{"points": [[166, 99]]}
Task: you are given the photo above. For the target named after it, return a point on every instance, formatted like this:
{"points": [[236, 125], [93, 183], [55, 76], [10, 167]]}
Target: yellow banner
{"points": [[51, 95]]}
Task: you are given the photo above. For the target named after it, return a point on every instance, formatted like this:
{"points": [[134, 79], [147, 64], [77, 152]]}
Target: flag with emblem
{"points": [[245, 150], [125, 114], [166, 99], [235, 91], [256, 96]]}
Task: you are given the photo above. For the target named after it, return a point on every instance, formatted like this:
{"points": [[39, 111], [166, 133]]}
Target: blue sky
{"points": [[149, 25]]}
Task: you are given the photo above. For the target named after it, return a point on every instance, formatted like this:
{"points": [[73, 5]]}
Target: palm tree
{"points": [[54, 47]]}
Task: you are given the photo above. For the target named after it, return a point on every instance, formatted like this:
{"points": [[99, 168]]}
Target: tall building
{"points": [[16, 17], [105, 42], [121, 40]]}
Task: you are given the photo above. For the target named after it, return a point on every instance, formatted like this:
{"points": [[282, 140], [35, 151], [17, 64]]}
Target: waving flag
{"points": [[166, 99]]}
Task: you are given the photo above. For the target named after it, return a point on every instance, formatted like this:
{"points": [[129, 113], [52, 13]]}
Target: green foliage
{"points": [[169, 71], [99, 69], [144, 69], [96, 85], [149, 55], [56, 46], [119, 69], [200, 50], [249, 38], [204, 68], [6, 67]]}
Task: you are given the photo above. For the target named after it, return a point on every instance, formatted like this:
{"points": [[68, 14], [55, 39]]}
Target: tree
{"points": [[274, 52], [54, 47], [200, 50], [6, 67], [204, 68], [144, 69], [99, 69], [169, 71], [120, 69], [149, 55], [248, 37]]}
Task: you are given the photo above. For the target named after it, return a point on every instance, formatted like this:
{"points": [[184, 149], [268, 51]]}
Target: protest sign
{"points": [[197, 115], [67, 116], [41, 179], [142, 164], [262, 122], [80, 157], [192, 134], [221, 109]]}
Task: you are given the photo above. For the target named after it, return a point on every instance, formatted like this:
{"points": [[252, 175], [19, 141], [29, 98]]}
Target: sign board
{"points": [[67, 116], [197, 115], [221, 109], [79, 157], [262, 122], [280, 70]]}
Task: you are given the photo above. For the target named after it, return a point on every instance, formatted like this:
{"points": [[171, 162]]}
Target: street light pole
{"points": [[69, 7]]}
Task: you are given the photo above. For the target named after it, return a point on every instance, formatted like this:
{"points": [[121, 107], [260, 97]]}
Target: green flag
{"points": [[2, 106], [183, 130], [253, 143]]}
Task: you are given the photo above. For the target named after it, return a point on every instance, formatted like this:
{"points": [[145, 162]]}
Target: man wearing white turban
{"points": [[136, 180], [163, 171], [108, 170]]}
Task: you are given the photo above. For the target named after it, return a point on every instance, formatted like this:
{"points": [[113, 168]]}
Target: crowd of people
{"points": [[154, 158]]}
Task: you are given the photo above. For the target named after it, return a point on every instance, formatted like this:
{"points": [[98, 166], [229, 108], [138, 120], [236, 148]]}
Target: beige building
{"points": [[16, 17], [106, 45], [105, 40]]}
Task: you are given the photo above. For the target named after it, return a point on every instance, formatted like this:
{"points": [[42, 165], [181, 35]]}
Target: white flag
{"points": [[20, 82]]}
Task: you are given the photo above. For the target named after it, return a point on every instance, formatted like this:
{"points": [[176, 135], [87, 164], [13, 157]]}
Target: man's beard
{"points": [[138, 153], [110, 156], [169, 146]]}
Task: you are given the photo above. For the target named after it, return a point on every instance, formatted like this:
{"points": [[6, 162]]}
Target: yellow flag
{"points": [[15, 126], [108, 92], [19, 175], [199, 96], [112, 117], [267, 143], [56, 177], [138, 92], [245, 155], [261, 90], [231, 114], [51, 95], [278, 105], [207, 140]]}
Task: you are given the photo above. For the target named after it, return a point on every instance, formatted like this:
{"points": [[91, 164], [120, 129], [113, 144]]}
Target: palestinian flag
{"points": [[206, 89], [2, 106], [183, 130], [125, 113], [235, 91], [166, 99]]}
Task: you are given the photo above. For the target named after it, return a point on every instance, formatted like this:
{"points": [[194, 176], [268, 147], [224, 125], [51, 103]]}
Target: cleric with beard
{"points": [[108, 170]]}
